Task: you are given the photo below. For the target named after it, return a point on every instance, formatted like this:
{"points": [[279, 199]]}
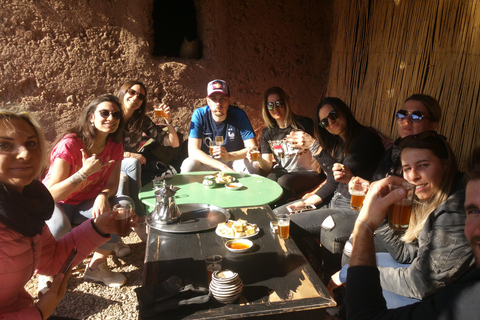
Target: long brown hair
{"points": [[84, 129], [329, 142], [135, 123], [436, 143]]}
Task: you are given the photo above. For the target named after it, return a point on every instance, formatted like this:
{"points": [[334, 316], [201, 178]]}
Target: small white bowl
{"points": [[233, 185], [241, 244]]}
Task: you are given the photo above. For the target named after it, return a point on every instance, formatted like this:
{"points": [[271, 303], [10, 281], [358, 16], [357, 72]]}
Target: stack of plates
{"points": [[226, 286]]}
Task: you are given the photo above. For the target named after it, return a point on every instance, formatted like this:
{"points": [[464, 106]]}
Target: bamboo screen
{"points": [[383, 51]]}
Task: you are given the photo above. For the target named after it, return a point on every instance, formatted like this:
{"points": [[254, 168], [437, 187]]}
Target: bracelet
{"points": [[314, 147], [104, 193], [105, 235], [82, 175], [39, 311], [366, 225]]}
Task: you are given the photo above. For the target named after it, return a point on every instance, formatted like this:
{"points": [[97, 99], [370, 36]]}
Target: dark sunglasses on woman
{"points": [[139, 95], [333, 115], [415, 116], [105, 114], [272, 105]]}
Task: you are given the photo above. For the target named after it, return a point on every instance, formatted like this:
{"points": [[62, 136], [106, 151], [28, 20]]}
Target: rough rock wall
{"points": [[56, 55]]}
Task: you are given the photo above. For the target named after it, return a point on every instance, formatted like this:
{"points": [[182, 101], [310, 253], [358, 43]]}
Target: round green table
{"points": [[256, 191]]}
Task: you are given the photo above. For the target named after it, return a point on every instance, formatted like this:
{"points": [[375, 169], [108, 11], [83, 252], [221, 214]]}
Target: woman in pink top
{"points": [[26, 244], [83, 178]]}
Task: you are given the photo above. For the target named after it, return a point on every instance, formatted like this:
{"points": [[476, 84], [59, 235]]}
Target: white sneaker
{"points": [[122, 249], [141, 231], [43, 284], [105, 275]]}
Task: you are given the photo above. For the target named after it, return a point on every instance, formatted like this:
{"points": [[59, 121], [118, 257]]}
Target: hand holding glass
{"points": [[358, 191], [399, 212], [254, 153], [122, 219]]}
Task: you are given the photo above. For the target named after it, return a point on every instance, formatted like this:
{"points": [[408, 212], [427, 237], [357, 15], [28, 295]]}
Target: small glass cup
{"points": [[358, 191], [213, 263], [122, 219], [158, 112], [283, 226], [399, 212], [254, 153]]}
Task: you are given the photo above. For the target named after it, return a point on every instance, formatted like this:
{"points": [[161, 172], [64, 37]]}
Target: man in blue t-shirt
{"points": [[223, 126]]}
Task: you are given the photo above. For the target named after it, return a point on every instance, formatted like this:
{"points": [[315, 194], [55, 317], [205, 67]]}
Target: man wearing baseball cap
{"points": [[223, 126]]}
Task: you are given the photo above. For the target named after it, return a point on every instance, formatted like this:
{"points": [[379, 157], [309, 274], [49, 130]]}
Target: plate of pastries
{"points": [[236, 229]]}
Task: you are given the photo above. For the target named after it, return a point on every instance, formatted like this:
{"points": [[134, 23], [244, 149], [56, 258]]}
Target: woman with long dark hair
{"points": [[84, 175], [293, 167], [342, 148], [133, 97]]}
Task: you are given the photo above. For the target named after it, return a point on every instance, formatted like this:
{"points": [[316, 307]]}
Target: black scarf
{"points": [[26, 212]]}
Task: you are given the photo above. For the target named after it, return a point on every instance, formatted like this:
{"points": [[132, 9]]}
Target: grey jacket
{"points": [[440, 255]]}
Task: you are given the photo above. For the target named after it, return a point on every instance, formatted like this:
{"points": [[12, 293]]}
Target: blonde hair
{"points": [[289, 115], [18, 113], [422, 209]]}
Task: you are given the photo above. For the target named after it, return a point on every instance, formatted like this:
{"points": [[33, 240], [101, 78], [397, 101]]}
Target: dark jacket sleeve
{"points": [[326, 162], [443, 256], [153, 131], [364, 299], [362, 160]]}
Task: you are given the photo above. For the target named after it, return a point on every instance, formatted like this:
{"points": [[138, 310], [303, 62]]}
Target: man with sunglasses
{"points": [[419, 113], [224, 126], [364, 298]]}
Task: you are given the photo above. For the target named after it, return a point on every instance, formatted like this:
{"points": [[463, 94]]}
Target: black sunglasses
{"points": [[415, 116], [333, 115], [272, 105], [139, 95], [105, 114]]}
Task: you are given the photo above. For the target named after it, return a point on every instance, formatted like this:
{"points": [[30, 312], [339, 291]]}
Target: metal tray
{"points": [[195, 217]]}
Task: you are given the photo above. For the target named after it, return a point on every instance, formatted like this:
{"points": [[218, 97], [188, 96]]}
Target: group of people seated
{"points": [[97, 164]]}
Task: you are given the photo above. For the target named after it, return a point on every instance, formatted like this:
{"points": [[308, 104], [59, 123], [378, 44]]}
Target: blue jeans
{"points": [[65, 215], [132, 169], [386, 260]]}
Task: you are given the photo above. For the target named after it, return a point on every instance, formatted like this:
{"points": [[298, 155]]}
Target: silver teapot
{"points": [[166, 211]]}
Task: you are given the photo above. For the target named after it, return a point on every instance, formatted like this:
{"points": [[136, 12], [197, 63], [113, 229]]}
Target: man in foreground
{"points": [[224, 126], [364, 298]]}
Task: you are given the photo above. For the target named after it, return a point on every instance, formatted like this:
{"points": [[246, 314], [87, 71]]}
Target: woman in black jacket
{"points": [[342, 148]]}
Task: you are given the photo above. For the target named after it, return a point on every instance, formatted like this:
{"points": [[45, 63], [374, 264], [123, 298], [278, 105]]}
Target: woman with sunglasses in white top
{"points": [[83, 178], [342, 147], [293, 167], [133, 96]]}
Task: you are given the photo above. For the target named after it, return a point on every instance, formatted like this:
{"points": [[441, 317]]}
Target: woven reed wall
{"points": [[383, 51]]}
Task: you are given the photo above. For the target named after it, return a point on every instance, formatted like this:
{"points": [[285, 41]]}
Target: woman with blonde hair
{"points": [[433, 251], [25, 240], [293, 167]]}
